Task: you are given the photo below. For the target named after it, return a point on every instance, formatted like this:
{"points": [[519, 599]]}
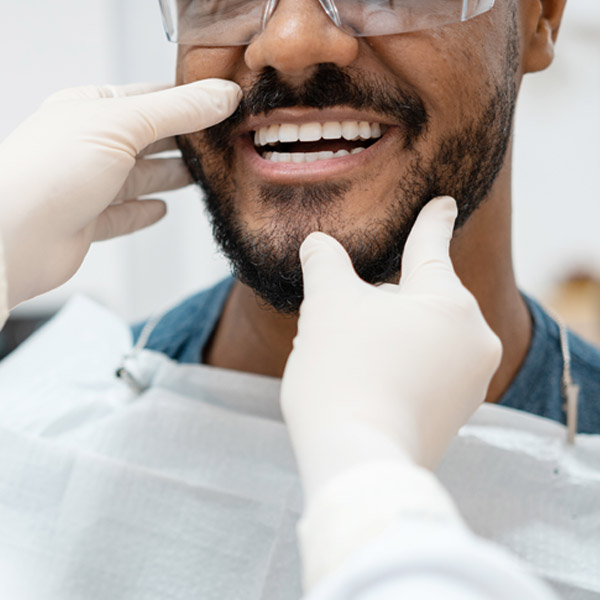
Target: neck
{"points": [[253, 338]]}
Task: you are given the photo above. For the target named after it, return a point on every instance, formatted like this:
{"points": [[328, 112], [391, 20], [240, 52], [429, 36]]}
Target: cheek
{"points": [[194, 63], [452, 68]]}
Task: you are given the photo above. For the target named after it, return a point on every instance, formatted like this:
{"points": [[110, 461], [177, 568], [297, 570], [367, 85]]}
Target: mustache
{"points": [[327, 87]]}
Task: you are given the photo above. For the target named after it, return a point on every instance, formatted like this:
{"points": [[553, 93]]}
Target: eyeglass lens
{"points": [[236, 22]]}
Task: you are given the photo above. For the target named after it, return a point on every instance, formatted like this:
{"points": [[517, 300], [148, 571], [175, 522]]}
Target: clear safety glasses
{"points": [[237, 22]]}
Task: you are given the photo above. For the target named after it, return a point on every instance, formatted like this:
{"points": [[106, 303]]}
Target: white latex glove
{"points": [[71, 174], [386, 373]]}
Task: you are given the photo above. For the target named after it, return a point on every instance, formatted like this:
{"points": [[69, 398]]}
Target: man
{"points": [[437, 109]]}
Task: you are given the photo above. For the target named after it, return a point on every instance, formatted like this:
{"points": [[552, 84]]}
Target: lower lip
{"points": [[319, 170]]}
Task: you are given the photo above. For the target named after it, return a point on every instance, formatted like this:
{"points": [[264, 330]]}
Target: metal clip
{"points": [[130, 380]]}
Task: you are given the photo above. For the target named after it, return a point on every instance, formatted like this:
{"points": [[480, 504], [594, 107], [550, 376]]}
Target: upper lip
{"points": [[298, 116]]}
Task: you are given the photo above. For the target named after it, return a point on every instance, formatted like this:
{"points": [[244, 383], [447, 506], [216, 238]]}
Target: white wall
{"points": [[557, 157], [46, 46]]}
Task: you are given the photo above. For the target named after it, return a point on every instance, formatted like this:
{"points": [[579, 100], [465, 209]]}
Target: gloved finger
{"points": [[96, 92], [154, 175], [121, 219], [426, 264], [131, 89], [389, 288], [325, 264], [183, 109], [164, 145]]}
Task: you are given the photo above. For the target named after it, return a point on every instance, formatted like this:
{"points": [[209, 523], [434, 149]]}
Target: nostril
{"points": [[300, 34], [295, 55]]}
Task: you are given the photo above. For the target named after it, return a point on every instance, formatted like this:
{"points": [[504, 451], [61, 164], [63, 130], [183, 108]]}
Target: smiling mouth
{"points": [[311, 142]]}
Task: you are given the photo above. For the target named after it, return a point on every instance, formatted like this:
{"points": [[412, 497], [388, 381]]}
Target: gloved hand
{"points": [[389, 372], [71, 174]]}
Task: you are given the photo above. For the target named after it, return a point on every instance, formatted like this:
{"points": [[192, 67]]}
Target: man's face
{"points": [[442, 99]]}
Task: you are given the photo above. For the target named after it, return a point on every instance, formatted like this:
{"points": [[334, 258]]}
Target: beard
{"points": [[464, 165]]}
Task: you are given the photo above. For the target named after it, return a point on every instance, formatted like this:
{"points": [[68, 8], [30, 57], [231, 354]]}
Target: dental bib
{"points": [[185, 485]]}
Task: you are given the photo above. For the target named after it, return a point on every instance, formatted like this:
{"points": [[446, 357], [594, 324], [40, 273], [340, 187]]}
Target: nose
{"points": [[298, 36]]}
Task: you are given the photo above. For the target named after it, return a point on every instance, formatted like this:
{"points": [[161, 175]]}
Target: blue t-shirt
{"points": [[183, 332]]}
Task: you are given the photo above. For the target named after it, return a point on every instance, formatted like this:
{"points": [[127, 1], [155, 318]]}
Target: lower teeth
{"points": [[307, 157]]}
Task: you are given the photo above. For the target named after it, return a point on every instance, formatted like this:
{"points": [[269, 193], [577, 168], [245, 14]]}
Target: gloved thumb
{"points": [[325, 264], [426, 264]]}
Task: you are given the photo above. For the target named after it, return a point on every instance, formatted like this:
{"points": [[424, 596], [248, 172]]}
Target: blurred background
{"points": [[46, 46]]}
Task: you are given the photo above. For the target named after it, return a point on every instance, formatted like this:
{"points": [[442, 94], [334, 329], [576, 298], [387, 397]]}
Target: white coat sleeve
{"points": [[365, 537], [3, 288]]}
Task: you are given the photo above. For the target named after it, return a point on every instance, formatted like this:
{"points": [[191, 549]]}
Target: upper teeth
{"points": [[285, 133]]}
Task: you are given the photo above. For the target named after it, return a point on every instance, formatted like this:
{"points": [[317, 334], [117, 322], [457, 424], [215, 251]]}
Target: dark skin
{"points": [[452, 69]]}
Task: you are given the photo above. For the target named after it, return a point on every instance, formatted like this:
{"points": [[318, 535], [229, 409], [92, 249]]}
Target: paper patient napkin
{"points": [[190, 489]]}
